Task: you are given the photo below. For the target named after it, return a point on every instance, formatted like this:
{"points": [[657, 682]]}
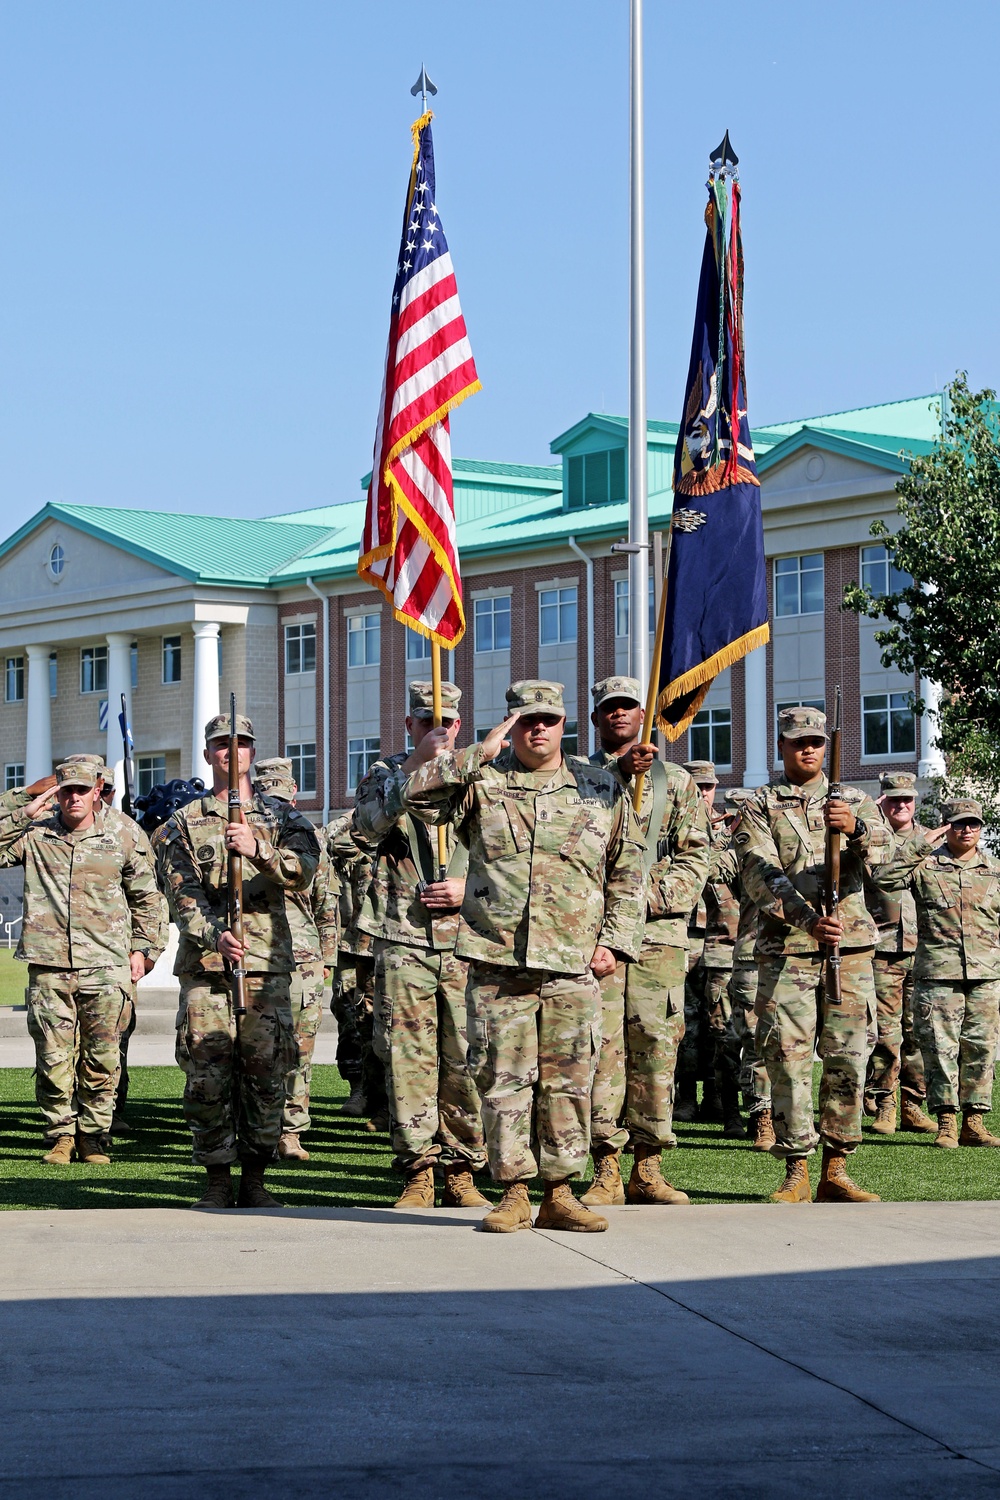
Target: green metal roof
{"points": [[919, 417], [871, 448]]}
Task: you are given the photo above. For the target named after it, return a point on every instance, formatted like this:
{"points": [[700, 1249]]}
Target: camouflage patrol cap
{"points": [[275, 778], [77, 773], [218, 728], [702, 771], [626, 688], [801, 723], [898, 784], [736, 797], [961, 808], [97, 761], [422, 701], [533, 695]]}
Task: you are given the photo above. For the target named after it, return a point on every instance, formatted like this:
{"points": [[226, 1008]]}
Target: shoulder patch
{"points": [[741, 838]]}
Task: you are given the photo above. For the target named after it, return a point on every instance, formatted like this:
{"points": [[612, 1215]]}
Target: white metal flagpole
{"points": [[638, 510]]}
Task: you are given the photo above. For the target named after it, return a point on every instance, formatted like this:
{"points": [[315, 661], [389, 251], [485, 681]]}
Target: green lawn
{"points": [[13, 978], [351, 1166]]}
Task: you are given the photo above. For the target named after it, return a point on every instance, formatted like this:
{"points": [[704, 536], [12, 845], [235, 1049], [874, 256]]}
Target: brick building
{"points": [[176, 611]]}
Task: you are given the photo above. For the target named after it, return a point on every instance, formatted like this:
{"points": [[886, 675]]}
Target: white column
{"points": [[206, 687], [38, 746], [931, 762], [756, 771], [119, 681]]}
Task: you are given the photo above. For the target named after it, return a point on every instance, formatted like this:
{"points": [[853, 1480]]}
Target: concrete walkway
{"points": [[725, 1351]]}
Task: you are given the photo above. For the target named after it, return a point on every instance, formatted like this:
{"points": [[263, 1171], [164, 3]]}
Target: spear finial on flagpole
{"points": [[423, 87]]}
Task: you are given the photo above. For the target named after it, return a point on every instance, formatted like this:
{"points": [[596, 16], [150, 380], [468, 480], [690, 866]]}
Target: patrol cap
{"points": [[533, 695], [626, 688], [736, 797], [97, 761], [422, 701], [77, 773], [275, 777], [898, 784], [702, 771], [801, 723], [219, 728], [962, 807]]}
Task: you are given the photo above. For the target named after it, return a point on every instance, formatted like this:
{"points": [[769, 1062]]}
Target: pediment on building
{"points": [[55, 560], [823, 463]]}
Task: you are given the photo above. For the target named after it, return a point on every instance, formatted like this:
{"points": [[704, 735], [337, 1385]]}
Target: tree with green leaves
{"points": [[946, 623]]}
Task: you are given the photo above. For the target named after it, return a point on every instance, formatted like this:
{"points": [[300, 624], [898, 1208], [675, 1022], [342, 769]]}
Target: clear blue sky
{"points": [[201, 207]]}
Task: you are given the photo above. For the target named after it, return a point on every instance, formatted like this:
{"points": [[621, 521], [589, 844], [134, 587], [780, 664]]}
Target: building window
{"points": [[53, 674], [888, 726], [621, 608], [711, 736], [879, 574], [13, 775], [93, 669], [492, 623], [133, 663], [300, 649], [171, 659], [361, 756], [418, 647], [14, 689], [595, 478], [364, 641], [798, 585], [150, 771], [57, 561], [569, 739], [556, 616], [303, 759]]}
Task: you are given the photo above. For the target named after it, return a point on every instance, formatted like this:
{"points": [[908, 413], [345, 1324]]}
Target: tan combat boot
{"points": [[869, 1104], [379, 1123], [290, 1148], [606, 1188], [796, 1187], [253, 1193], [834, 1184], [61, 1152], [511, 1213], [762, 1125], [912, 1117], [560, 1210], [90, 1149], [647, 1183], [460, 1189], [219, 1189], [974, 1132], [419, 1190], [884, 1122], [947, 1135]]}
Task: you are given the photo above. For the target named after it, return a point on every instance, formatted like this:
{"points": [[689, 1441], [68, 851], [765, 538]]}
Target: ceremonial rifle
{"points": [[831, 882], [237, 973], [128, 798]]}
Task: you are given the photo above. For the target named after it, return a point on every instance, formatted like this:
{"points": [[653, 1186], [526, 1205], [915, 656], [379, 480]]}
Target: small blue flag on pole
{"points": [[716, 604]]}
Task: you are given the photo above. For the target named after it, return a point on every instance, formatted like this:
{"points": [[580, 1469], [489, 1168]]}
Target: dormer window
{"points": [[595, 478]]}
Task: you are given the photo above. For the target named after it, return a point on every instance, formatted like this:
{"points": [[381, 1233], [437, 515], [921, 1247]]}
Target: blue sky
{"points": [[201, 208]]}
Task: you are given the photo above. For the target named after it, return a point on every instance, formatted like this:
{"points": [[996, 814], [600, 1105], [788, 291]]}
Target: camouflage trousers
{"points": [[642, 1023], [533, 1041], [420, 1038], [345, 978], [794, 1019], [895, 1058], [739, 1058], [234, 1095], [306, 991], [957, 1023], [76, 1018], [706, 1016]]}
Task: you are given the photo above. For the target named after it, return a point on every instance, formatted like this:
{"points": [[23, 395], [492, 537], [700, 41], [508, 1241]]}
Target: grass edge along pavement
{"points": [[351, 1167]]}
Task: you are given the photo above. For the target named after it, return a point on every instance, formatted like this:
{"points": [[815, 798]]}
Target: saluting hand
{"points": [[495, 741], [39, 805]]}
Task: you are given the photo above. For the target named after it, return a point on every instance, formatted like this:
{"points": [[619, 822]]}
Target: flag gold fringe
{"points": [[702, 676]]}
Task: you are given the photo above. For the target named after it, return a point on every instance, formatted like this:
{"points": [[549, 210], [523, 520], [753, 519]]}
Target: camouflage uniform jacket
{"points": [[721, 900], [192, 861], [958, 909], [781, 844], [555, 858], [314, 917], [12, 801], [392, 907], [682, 852], [90, 896], [351, 868], [895, 914]]}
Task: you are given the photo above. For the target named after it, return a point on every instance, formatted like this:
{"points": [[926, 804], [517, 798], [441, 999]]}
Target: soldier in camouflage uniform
{"points": [[956, 990], [353, 999], [312, 919], [555, 896], [739, 1047], [420, 1018], [643, 1002], [235, 1072], [781, 845], [895, 1058], [94, 923]]}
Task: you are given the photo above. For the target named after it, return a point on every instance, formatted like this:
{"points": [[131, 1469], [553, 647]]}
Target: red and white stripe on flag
{"points": [[408, 547]]}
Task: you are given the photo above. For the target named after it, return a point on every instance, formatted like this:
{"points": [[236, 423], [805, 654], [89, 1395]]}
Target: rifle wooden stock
{"points": [[237, 973], [831, 881]]}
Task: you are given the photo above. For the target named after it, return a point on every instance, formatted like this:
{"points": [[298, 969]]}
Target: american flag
{"points": [[408, 547]]}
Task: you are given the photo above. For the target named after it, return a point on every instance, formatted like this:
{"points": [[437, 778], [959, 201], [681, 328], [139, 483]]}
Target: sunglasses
{"points": [[530, 720]]}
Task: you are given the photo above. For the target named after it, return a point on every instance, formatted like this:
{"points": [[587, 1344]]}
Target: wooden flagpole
{"points": [[653, 690], [442, 837]]}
